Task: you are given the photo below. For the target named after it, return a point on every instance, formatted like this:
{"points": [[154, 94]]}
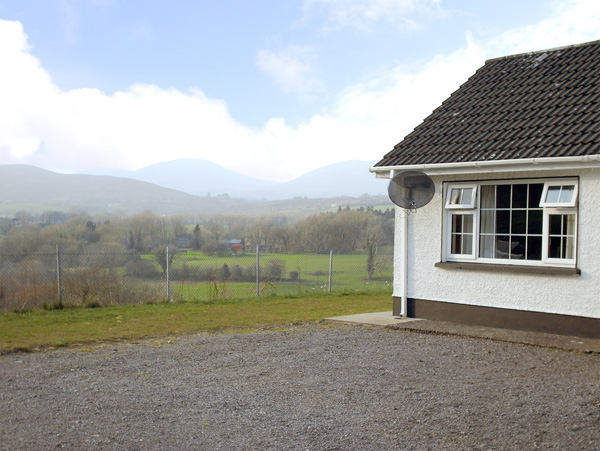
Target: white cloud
{"points": [[573, 22], [292, 69], [363, 14], [84, 128]]}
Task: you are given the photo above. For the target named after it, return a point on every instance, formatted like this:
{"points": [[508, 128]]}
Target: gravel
{"points": [[314, 387]]}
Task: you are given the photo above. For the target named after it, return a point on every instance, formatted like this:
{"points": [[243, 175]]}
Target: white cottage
{"points": [[511, 238]]}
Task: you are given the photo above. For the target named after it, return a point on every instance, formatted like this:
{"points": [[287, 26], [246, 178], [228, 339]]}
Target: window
{"points": [[461, 196], [512, 222], [559, 194]]}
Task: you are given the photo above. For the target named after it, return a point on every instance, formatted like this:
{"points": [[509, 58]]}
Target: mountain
{"points": [[25, 187], [193, 176], [29, 188], [349, 178]]}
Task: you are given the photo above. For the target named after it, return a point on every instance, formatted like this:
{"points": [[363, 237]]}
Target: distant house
{"points": [[511, 238]]}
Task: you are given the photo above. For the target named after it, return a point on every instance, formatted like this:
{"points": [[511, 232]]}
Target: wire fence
{"points": [[57, 280]]}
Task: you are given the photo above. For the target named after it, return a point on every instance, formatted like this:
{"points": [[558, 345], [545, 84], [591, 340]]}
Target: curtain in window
{"points": [[487, 225]]}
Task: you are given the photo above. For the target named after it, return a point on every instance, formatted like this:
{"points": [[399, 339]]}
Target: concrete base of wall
{"points": [[502, 318]]}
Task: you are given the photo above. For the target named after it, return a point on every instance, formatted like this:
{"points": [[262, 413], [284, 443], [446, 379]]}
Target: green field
{"points": [[43, 329], [349, 273], [106, 279]]}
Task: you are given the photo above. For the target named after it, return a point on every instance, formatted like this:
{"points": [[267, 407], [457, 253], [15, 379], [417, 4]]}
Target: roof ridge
{"points": [[535, 52]]}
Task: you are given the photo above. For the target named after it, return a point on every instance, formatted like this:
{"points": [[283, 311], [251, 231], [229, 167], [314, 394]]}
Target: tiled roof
{"points": [[542, 104]]}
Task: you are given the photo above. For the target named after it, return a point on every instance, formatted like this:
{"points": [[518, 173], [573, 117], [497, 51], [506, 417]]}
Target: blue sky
{"points": [[271, 89]]}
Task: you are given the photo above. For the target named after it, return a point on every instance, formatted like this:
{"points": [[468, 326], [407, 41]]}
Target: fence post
{"points": [[60, 304], [168, 278], [330, 268], [257, 270]]}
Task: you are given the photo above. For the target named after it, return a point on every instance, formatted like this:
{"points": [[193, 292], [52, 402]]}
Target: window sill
{"points": [[510, 268]]}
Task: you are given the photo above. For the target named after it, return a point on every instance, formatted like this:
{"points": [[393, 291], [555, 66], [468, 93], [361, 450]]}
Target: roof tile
{"points": [[541, 104]]}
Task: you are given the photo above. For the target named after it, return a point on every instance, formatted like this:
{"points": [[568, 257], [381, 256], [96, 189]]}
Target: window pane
{"points": [[569, 250], [462, 234], [467, 244], [569, 228], [503, 196], [554, 245], [468, 224], [553, 194], [535, 194], [519, 222], [488, 196], [486, 246], [467, 196], [534, 225], [502, 246], [534, 248], [555, 224], [503, 221], [457, 223], [487, 221], [455, 196], [519, 196], [517, 247], [456, 243], [566, 195]]}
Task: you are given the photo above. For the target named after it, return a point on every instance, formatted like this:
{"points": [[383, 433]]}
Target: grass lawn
{"points": [[48, 329], [348, 274]]}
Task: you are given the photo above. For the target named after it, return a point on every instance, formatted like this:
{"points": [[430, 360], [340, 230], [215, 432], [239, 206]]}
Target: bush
{"points": [[274, 269], [250, 273], [224, 273], [142, 268], [237, 273]]}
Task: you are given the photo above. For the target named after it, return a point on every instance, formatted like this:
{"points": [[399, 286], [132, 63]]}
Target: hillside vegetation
{"points": [[36, 190]]}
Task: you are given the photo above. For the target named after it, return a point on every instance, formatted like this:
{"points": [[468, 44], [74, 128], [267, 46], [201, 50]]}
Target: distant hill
{"points": [[348, 178], [193, 176], [24, 187], [199, 177]]}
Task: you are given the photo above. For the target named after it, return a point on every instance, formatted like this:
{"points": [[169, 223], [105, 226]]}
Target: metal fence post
{"points": [[257, 270], [168, 278], [330, 268], [60, 304]]}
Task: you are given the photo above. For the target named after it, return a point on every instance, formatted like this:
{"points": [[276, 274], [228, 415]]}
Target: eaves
{"points": [[480, 167]]}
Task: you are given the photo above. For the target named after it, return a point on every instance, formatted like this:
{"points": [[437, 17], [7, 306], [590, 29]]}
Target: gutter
{"points": [[487, 166]]}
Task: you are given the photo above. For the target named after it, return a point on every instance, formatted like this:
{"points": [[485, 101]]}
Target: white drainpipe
{"points": [[404, 305], [404, 262]]}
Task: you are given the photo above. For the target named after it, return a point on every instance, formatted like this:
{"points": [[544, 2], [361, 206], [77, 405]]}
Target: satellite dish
{"points": [[411, 189]]}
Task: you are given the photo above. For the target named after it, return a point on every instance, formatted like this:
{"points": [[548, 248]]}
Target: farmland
{"points": [[103, 279]]}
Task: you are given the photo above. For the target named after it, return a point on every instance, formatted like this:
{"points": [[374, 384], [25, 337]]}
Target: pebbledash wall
{"points": [[569, 295]]}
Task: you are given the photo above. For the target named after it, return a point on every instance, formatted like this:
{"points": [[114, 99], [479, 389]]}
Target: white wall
{"points": [[568, 295]]}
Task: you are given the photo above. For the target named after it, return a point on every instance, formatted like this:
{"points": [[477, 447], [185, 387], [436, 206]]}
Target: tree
{"points": [[373, 235], [217, 227], [160, 255], [178, 224], [196, 240]]}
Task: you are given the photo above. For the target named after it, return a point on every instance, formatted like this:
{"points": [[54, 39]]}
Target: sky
{"points": [[271, 89]]}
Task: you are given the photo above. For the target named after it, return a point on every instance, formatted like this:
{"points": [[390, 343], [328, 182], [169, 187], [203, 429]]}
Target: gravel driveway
{"points": [[314, 387]]}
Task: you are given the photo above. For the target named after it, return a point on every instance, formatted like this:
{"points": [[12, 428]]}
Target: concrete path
{"points": [[385, 319], [374, 319]]}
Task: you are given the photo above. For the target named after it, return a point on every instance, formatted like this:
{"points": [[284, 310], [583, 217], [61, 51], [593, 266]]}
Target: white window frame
{"points": [[563, 183], [548, 209], [475, 233], [462, 205], [546, 234]]}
